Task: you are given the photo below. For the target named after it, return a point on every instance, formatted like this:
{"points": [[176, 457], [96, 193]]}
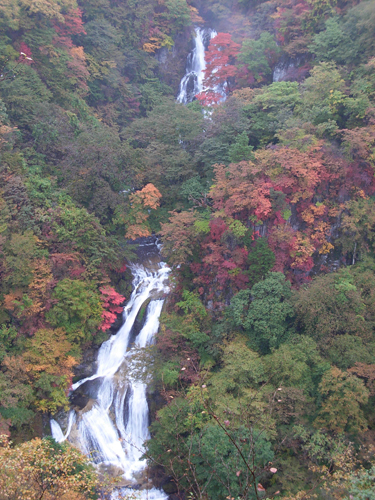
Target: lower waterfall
{"points": [[113, 425]]}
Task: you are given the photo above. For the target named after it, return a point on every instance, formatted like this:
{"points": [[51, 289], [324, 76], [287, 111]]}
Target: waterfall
{"points": [[192, 82], [113, 426]]}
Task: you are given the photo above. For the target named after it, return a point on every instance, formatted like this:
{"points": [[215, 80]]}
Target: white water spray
{"points": [[192, 82], [113, 426]]}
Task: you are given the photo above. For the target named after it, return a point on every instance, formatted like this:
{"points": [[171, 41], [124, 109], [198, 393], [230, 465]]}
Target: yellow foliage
{"points": [[152, 45], [35, 470], [326, 248], [48, 351], [303, 250]]}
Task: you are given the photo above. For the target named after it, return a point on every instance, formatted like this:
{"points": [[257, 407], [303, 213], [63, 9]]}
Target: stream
{"points": [[113, 425]]}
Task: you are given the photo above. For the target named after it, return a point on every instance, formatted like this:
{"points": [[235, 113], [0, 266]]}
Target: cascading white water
{"points": [[192, 82], [114, 424]]}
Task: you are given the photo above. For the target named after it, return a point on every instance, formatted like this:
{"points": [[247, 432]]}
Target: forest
{"points": [[262, 192]]}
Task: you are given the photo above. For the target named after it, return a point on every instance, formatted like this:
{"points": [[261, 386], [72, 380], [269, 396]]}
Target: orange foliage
{"points": [[195, 17], [149, 196], [240, 187], [141, 201], [11, 299]]}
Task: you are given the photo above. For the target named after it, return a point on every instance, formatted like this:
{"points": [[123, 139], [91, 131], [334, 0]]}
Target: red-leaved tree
{"points": [[111, 301], [220, 67]]}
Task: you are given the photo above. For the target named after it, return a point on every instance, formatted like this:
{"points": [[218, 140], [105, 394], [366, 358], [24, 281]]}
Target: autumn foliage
{"points": [[111, 303], [42, 469], [140, 203], [220, 68]]}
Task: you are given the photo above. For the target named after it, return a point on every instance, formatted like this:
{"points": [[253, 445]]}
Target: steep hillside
{"points": [[262, 191]]}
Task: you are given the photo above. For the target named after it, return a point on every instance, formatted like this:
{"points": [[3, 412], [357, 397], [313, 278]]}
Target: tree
{"points": [[111, 303], [77, 309], [264, 311], [140, 203], [346, 351], [44, 469], [16, 393], [178, 13], [205, 455], [239, 188], [357, 234], [330, 44], [220, 61], [179, 237], [23, 93], [332, 305], [219, 464], [261, 260], [259, 56], [342, 397], [78, 230], [50, 366], [240, 150]]}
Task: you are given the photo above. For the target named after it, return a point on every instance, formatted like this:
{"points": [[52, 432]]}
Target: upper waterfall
{"points": [[192, 82]]}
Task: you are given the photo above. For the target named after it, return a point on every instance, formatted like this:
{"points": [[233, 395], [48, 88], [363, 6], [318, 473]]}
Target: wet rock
{"points": [[62, 418], [74, 436], [79, 400], [88, 406], [114, 471], [87, 367]]}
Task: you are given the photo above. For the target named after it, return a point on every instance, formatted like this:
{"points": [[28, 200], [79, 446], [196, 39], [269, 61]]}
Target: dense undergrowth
{"points": [[266, 354]]}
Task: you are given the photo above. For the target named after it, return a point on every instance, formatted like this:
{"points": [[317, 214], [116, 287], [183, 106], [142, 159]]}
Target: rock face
{"points": [[172, 63], [88, 364], [290, 69]]}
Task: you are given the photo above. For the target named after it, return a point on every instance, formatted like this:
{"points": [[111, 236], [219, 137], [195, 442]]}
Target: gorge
{"points": [[241, 135]]}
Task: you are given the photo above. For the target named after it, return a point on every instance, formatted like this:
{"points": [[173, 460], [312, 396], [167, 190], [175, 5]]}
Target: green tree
{"points": [[259, 55], [347, 350], [178, 13], [22, 94], [264, 312], [332, 305], [21, 249], [296, 363], [240, 150], [361, 484], [270, 110], [330, 44], [220, 466], [261, 260], [77, 310], [16, 393]]}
